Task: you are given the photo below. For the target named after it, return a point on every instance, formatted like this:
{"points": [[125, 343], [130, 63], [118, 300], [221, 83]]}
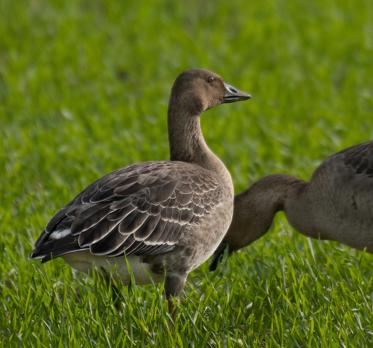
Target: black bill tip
{"points": [[233, 94]]}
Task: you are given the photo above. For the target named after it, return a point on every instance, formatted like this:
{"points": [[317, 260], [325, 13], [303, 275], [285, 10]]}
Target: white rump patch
{"points": [[59, 234]]}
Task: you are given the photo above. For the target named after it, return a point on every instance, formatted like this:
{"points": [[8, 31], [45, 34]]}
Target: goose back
{"points": [[339, 198]]}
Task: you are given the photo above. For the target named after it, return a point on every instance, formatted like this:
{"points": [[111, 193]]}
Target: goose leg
{"points": [[174, 284]]}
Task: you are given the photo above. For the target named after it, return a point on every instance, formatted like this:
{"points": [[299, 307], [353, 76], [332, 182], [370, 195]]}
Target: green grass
{"points": [[84, 87]]}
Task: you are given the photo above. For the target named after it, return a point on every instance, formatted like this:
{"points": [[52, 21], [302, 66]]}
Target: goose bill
{"points": [[232, 94]]}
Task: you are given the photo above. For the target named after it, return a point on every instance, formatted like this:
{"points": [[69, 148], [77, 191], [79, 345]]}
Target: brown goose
{"points": [[162, 218], [337, 203]]}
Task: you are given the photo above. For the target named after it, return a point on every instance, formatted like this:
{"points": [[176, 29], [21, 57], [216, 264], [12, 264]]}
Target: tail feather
{"points": [[50, 248]]}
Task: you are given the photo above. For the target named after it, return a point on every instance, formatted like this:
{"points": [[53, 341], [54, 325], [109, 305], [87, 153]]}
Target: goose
{"points": [[336, 204], [153, 221]]}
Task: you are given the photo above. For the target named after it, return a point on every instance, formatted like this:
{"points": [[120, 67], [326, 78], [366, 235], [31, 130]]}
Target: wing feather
{"points": [[360, 158], [90, 217], [141, 209], [148, 227], [110, 244], [96, 233]]}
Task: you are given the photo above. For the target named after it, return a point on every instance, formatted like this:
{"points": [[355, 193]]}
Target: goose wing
{"points": [[352, 164], [344, 184], [143, 209], [359, 158]]}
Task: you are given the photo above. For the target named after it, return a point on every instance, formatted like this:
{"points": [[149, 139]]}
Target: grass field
{"points": [[84, 87]]}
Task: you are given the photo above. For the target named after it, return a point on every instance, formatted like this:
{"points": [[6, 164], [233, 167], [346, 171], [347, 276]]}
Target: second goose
{"points": [[337, 203]]}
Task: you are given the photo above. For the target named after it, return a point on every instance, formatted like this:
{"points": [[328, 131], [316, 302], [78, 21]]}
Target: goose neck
{"points": [[186, 140]]}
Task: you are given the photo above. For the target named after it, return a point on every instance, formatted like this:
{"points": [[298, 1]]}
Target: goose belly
{"points": [[120, 268]]}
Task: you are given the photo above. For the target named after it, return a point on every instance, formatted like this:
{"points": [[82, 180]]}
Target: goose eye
{"points": [[210, 79]]}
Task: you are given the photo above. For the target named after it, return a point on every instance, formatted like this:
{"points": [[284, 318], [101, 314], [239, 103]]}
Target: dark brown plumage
{"points": [[163, 218], [140, 209]]}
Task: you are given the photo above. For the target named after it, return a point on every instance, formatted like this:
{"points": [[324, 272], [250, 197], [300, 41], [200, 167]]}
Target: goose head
{"points": [[198, 90]]}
